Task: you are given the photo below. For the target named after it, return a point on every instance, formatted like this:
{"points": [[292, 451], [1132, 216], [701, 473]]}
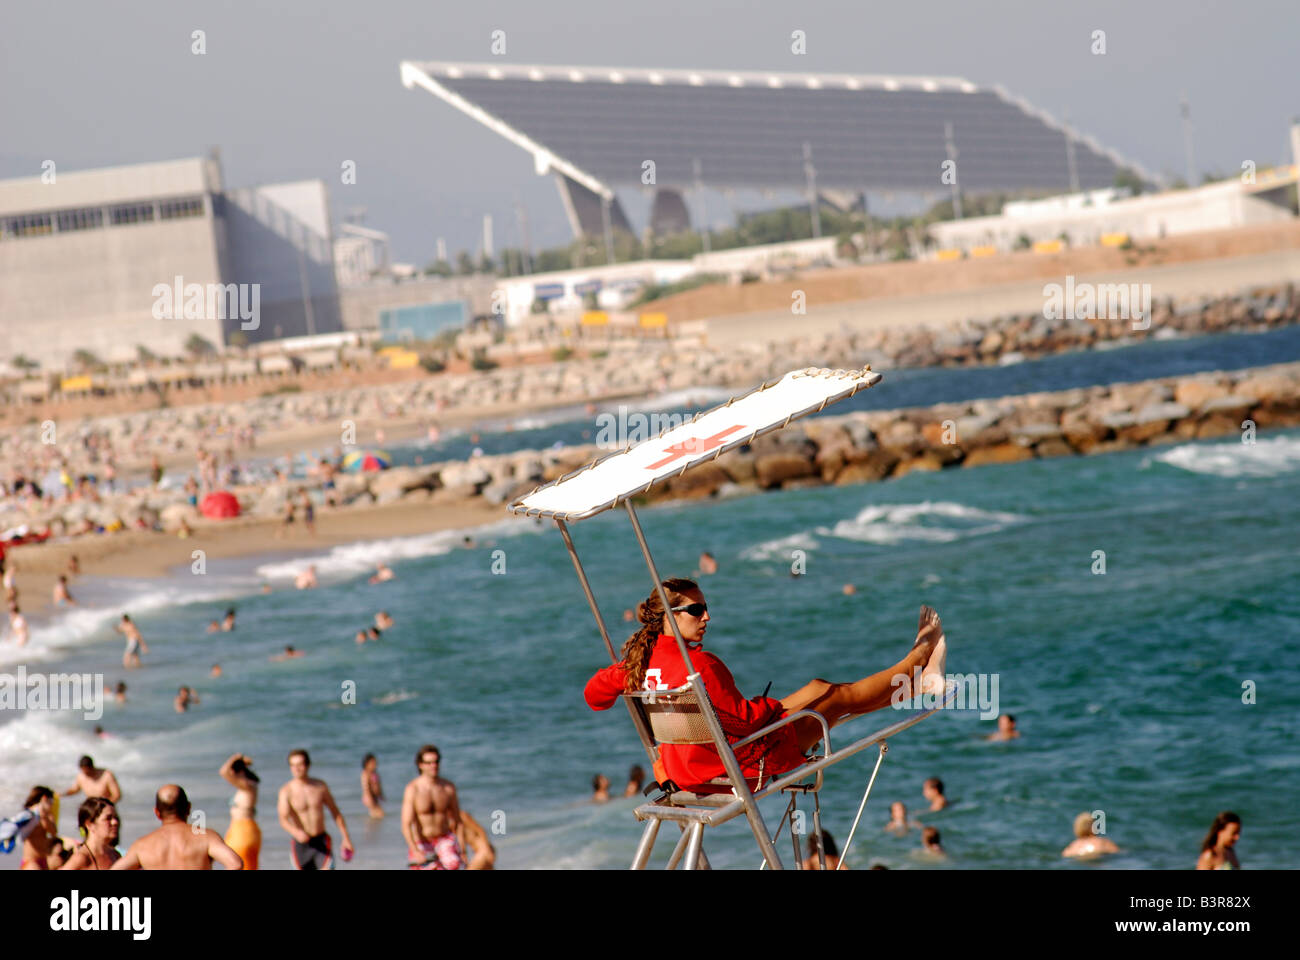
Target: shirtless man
{"points": [[302, 806], [134, 642], [382, 573], [176, 845], [307, 579], [932, 790], [1006, 728], [431, 816], [96, 782], [98, 819], [289, 654]]}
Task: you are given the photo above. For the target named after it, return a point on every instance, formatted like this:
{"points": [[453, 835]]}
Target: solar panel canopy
{"points": [[733, 130]]}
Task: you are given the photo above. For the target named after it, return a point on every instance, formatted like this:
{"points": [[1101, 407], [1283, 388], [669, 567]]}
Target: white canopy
{"points": [[612, 479]]}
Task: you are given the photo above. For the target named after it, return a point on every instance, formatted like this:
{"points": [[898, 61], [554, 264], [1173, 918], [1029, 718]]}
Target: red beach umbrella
{"points": [[219, 505]]}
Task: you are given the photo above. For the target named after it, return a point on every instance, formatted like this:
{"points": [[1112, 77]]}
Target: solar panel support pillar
{"points": [[609, 230]]}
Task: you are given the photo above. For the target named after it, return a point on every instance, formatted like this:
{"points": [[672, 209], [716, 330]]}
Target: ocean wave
{"points": [[1264, 458], [84, 623], [930, 522], [780, 547], [348, 560]]}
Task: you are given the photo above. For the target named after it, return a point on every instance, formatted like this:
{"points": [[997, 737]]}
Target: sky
{"points": [[291, 89]]}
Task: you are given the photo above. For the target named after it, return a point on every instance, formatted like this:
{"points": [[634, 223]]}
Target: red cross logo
{"points": [[693, 445]]}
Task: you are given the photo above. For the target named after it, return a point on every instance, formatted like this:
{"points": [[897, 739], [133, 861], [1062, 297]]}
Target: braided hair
{"points": [[650, 612]]}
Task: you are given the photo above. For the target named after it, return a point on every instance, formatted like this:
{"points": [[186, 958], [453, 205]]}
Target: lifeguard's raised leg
{"points": [[838, 702]]}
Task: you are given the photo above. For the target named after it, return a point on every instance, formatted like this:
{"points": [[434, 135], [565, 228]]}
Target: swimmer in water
{"points": [[635, 780], [382, 620], [930, 843], [215, 672], [214, 626], [228, 621], [184, 697], [932, 790], [1217, 849], [1006, 729], [600, 788], [1087, 843], [383, 572], [289, 654], [708, 565], [813, 862], [849, 589], [307, 579], [61, 595], [898, 823], [372, 789]]}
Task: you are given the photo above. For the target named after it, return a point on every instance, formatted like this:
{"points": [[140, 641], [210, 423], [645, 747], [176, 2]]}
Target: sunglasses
{"points": [[694, 609]]}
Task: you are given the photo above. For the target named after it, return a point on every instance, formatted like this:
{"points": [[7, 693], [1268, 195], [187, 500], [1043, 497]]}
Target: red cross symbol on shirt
{"points": [[694, 445]]}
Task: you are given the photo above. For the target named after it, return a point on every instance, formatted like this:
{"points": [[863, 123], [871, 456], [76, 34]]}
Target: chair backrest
{"points": [[675, 717]]}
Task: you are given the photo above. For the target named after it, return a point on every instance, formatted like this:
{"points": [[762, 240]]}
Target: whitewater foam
{"points": [[1264, 458], [350, 559], [930, 522], [780, 547]]}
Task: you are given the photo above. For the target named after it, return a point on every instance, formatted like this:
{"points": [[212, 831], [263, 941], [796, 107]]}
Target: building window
{"points": [[27, 225], [87, 218], [176, 209], [125, 213]]}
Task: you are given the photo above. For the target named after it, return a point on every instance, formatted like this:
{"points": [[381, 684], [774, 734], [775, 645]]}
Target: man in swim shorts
{"points": [[431, 816], [134, 642], [302, 806]]}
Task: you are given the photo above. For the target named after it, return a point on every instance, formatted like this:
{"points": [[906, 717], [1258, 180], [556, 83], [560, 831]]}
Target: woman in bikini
{"points": [[99, 824], [652, 660], [244, 835], [1217, 851]]}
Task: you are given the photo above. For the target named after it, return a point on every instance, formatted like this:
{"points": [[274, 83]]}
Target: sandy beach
{"points": [[144, 554]]}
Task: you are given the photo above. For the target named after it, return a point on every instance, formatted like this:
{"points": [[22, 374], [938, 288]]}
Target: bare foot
{"points": [[928, 631], [933, 677]]}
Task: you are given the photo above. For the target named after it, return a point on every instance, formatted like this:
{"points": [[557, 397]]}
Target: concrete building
{"points": [[1108, 216], [152, 254]]}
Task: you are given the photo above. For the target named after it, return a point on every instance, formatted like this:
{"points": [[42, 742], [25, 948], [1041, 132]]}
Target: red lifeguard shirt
{"points": [[691, 766]]}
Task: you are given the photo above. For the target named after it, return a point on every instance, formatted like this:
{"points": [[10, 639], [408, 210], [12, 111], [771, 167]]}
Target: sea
{"points": [[1137, 612]]}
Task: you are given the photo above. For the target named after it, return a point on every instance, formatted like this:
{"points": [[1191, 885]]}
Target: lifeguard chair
{"points": [[684, 715]]}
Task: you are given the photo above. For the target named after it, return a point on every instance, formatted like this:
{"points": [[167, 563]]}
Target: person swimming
{"points": [[1087, 843], [898, 823], [1006, 729], [813, 862], [1218, 848], [930, 845], [600, 788], [932, 790]]}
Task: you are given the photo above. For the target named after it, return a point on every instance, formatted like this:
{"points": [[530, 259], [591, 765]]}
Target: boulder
{"points": [[875, 467], [773, 469], [1230, 404], [1195, 393], [998, 453], [926, 461], [739, 467], [702, 481]]}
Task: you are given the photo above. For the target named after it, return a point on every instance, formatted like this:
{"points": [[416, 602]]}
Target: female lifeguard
{"points": [[651, 660]]}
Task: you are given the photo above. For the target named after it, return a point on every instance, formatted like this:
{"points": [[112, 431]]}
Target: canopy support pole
{"points": [[844, 854], [727, 755], [638, 718]]}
